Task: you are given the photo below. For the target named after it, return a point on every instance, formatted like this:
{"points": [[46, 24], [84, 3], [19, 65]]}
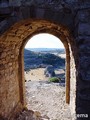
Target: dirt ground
{"points": [[47, 98], [35, 75], [38, 74]]}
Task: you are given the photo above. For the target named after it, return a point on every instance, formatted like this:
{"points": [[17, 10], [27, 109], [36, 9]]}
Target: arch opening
{"points": [[44, 61], [67, 66]]}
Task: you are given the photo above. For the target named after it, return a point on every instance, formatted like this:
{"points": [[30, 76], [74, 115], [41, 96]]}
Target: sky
{"points": [[44, 40]]}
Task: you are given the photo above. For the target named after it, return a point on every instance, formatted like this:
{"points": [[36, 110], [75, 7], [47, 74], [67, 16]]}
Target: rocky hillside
{"points": [[39, 59]]}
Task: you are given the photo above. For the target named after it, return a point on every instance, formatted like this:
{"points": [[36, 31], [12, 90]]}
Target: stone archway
{"points": [[12, 68]]}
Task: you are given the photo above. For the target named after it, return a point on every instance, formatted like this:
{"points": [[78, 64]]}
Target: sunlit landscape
{"points": [[45, 80]]}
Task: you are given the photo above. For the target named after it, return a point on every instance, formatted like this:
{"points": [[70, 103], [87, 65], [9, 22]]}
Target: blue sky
{"points": [[44, 40]]}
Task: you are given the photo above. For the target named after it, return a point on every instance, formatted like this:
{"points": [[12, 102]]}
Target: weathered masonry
{"points": [[22, 19]]}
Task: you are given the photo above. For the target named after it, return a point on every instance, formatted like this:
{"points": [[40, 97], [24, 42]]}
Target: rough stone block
{"points": [[2, 66], [83, 16], [83, 43], [84, 29], [84, 69], [15, 2], [40, 13]]}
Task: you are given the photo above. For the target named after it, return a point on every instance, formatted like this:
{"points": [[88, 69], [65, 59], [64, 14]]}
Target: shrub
{"points": [[54, 79]]}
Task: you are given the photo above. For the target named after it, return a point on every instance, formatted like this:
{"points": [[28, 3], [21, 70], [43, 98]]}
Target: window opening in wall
{"points": [[44, 68]]}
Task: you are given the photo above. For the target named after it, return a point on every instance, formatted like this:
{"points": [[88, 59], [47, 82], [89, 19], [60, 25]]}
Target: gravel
{"points": [[48, 99]]}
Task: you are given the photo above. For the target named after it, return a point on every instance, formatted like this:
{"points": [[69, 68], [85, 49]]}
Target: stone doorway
{"points": [[13, 42]]}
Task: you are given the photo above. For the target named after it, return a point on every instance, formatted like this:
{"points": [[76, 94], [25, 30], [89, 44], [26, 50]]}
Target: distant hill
{"points": [[47, 49], [36, 59]]}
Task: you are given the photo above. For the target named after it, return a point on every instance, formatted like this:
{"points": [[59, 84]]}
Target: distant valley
{"points": [[41, 57]]}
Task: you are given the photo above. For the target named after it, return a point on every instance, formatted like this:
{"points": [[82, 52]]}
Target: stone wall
{"points": [[82, 22], [9, 83], [73, 70], [56, 17], [14, 11]]}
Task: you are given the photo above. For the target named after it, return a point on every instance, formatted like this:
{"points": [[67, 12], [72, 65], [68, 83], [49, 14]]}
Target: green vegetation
{"points": [[54, 79]]}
